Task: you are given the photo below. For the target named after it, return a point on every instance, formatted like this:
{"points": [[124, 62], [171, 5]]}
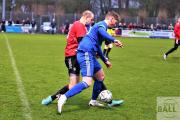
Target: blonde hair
{"points": [[112, 14]]}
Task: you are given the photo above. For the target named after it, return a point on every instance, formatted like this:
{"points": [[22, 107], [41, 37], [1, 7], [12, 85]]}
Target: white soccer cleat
{"points": [[95, 103], [61, 102], [165, 56]]}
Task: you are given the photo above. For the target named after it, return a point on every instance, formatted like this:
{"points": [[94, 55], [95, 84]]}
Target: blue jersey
{"points": [[93, 40]]}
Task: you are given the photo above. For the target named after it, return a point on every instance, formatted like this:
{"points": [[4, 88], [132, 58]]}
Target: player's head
{"points": [[87, 17], [112, 18], [178, 20]]}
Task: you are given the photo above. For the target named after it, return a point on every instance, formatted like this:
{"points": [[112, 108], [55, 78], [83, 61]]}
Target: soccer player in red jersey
{"points": [[177, 39], [77, 32]]}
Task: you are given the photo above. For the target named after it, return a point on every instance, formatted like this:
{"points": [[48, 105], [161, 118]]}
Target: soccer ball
{"points": [[105, 96]]}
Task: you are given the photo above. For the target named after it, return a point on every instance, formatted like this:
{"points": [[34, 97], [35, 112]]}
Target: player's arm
{"points": [[100, 54], [108, 37], [80, 32], [102, 31]]}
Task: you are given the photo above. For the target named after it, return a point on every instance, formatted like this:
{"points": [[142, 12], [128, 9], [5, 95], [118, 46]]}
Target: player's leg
{"points": [[100, 86], [85, 61], [74, 79], [75, 90], [98, 80], [109, 49], [105, 48], [73, 71], [176, 44]]}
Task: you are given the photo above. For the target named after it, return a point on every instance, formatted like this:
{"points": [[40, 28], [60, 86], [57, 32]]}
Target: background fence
{"points": [[62, 20]]}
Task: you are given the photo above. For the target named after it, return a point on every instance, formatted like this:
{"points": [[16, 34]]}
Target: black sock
{"points": [[61, 91], [104, 52], [110, 102], [103, 87], [107, 55]]}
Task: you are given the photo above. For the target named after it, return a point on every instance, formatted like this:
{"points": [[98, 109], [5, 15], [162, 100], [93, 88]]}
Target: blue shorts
{"points": [[88, 64]]}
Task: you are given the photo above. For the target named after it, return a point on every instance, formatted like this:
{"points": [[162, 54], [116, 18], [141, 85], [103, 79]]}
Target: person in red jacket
{"points": [[177, 39]]}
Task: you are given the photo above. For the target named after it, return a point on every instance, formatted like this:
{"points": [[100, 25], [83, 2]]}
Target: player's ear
{"points": [[112, 19]]}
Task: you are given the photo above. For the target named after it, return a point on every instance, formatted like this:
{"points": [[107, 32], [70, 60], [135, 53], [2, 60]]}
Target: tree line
{"points": [[150, 8]]}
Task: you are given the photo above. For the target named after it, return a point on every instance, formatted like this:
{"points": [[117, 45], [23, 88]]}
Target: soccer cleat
{"points": [[115, 103], [95, 103], [165, 56], [61, 102], [46, 101]]}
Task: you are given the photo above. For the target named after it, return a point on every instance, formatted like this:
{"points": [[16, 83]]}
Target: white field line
{"points": [[26, 110]]}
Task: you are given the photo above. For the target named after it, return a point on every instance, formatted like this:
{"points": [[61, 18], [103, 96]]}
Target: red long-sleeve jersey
{"points": [[77, 30], [177, 31]]}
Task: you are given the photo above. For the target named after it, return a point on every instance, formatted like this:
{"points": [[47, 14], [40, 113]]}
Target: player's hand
{"points": [[108, 64], [118, 43]]}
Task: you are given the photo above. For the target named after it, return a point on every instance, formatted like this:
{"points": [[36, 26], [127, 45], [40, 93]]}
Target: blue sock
{"points": [[97, 88], [76, 89]]}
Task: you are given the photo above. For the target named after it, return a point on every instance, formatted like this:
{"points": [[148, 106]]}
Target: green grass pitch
{"points": [[139, 75]]}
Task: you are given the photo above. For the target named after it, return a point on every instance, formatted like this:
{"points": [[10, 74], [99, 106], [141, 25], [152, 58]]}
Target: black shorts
{"points": [[107, 42], [72, 65]]}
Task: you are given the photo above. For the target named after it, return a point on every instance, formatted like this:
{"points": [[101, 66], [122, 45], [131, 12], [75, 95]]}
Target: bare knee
{"points": [[100, 75], [87, 80], [73, 81]]}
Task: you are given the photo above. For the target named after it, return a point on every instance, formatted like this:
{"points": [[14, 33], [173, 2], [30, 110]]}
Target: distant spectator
{"points": [[61, 28], [130, 26], [120, 25], [152, 27], [33, 25], [66, 28], [124, 26], [164, 27], [23, 22], [158, 27], [143, 26], [53, 26], [135, 26], [10, 22], [17, 22], [3, 26], [170, 27], [27, 22]]}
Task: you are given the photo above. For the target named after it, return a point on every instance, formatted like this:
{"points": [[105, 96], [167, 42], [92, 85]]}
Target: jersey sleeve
{"points": [[100, 53], [102, 31]]}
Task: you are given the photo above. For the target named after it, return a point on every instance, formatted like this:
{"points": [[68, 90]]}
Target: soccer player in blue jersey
{"points": [[86, 56], [75, 35]]}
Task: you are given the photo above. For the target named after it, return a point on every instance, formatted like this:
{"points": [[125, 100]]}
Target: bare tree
{"points": [[153, 6]]}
